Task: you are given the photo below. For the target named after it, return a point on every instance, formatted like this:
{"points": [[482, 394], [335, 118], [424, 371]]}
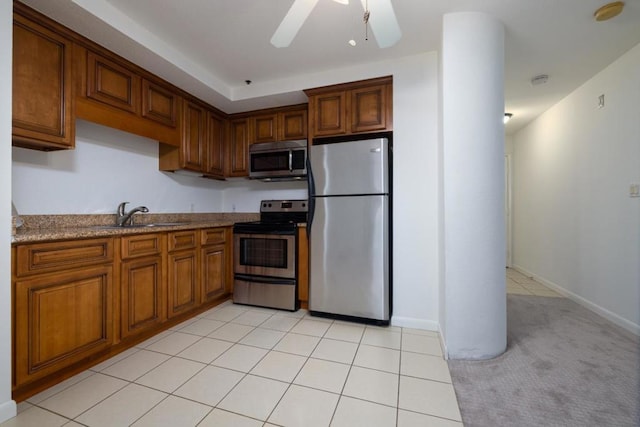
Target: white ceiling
{"points": [[210, 47]]}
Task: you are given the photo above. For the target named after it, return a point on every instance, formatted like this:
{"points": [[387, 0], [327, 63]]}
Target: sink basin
{"points": [[125, 227]]}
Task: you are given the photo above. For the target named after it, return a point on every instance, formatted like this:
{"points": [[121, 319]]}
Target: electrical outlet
{"points": [[601, 101], [634, 190], [192, 207]]}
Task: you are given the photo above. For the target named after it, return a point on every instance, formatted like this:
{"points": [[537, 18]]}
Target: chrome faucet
{"points": [[126, 218]]}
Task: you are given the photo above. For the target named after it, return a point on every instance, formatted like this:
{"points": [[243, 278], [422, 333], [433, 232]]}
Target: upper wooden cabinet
{"points": [[194, 134], [111, 83], [116, 93], [292, 124], [238, 147], [351, 108], [42, 105], [159, 104], [278, 124], [202, 144], [215, 148], [264, 128]]}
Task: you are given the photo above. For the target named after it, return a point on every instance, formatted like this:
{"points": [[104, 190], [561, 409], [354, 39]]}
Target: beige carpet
{"points": [[564, 366]]}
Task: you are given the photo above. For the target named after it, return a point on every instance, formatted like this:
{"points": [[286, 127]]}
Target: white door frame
{"points": [[508, 208]]}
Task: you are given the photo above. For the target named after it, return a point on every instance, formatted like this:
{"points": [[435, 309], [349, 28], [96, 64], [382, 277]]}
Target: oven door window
{"points": [[265, 255]]}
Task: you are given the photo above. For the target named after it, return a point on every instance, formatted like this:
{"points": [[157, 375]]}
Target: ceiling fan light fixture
{"points": [[383, 21], [608, 11]]}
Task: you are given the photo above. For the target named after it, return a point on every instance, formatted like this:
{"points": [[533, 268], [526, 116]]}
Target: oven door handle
{"points": [[263, 279]]}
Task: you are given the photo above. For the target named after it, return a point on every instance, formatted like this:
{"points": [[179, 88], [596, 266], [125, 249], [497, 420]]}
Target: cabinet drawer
{"points": [[49, 257], [213, 236], [141, 245], [179, 240]]}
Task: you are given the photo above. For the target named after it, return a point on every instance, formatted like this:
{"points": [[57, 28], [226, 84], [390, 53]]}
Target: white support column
{"points": [[473, 186], [7, 406]]}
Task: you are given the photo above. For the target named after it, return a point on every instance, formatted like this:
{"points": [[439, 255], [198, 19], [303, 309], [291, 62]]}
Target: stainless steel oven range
{"points": [[265, 256]]}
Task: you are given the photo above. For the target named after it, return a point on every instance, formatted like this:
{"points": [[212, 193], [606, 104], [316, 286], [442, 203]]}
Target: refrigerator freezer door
{"points": [[354, 167], [349, 245]]}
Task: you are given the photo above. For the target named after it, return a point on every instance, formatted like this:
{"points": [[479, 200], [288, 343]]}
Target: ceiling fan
{"points": [[378, 14]]}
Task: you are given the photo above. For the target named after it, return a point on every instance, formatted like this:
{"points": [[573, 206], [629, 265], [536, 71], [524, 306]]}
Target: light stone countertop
{"points": [[43, 228]]}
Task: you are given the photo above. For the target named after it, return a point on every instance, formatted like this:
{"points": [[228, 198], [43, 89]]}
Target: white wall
{"points": [[107, 167], [7, 406], [245, 195], [575, 226]]}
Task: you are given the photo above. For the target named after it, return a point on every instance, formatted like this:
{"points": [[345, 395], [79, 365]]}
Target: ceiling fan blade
{"points": [[383, 22], [293, 20]]}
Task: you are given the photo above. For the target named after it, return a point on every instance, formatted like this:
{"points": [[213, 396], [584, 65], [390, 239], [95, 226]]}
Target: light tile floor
{"points": [[519, 284], [243, 366]]}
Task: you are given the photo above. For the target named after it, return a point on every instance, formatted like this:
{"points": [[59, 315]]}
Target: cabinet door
{"points": [[214, 271], [303, 265], [214, 164], [112, 84], [329, 114], [61, 319], [292, 125], [369, 109], [264, 128], [193, 136], [239, 147], [159, 104], [183, 292], [42, 95], [142, 295]]}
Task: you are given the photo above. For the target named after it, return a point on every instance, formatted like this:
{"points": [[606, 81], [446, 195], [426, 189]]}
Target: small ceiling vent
{"points": [[539, 80]]}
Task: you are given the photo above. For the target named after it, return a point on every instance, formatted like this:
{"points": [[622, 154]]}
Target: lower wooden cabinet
{"points": [[183, 290], [214, 269], [142, 295], [216, 262], [61, 319], [142, 283], [75, 301], [303, 266]]}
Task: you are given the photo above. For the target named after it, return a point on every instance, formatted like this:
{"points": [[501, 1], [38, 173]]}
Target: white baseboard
{"points": [[8, 410], [411, 322], [609, 315], [443, 344]]}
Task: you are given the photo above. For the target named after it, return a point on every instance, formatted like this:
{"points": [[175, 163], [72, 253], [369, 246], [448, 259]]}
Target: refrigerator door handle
{"points": [[312, 194]]}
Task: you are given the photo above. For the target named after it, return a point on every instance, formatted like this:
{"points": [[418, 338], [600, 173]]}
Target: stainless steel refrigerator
{"points": [[349, 230]]}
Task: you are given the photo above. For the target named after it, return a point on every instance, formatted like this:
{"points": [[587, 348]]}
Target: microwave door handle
{"points": [[290, 160]]}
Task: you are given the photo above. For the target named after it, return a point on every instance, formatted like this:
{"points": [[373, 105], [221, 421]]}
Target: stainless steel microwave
{"points": [[278, 161]]}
